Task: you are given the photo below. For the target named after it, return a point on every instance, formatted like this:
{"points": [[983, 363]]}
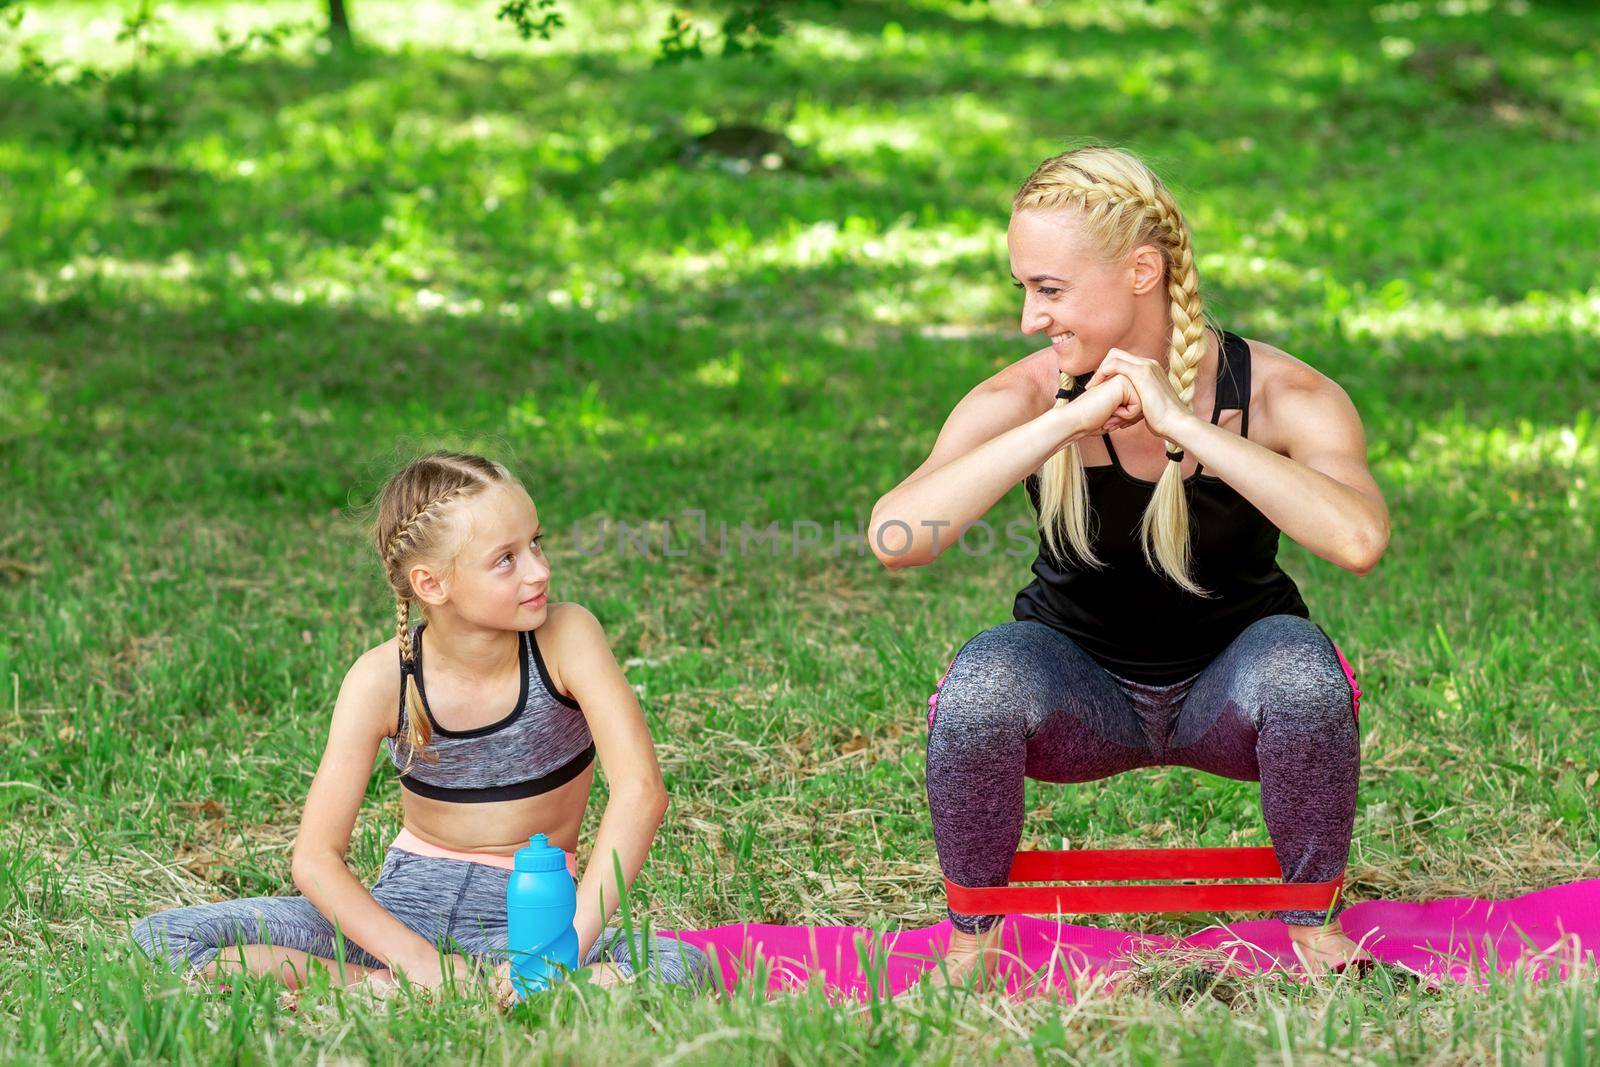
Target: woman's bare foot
{"points": [[1322, 948], [968, 957]]}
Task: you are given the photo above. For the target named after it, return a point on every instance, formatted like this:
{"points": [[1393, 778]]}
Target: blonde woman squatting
{"points": [[1163, 457]]}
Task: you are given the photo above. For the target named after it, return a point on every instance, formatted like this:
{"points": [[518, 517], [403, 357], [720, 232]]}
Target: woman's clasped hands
{"points": [[1126, 389]]}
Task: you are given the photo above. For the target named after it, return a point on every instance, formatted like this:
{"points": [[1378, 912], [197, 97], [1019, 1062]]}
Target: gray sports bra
{"points": [[544, 741]]}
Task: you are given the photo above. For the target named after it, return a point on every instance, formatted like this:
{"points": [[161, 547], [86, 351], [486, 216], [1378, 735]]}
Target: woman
{"points": [[1158, 628]]}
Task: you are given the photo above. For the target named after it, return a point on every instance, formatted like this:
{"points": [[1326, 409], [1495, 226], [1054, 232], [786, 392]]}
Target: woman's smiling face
{"points": [[1071, 293]]}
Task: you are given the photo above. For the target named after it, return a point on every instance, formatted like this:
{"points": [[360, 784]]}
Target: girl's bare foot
{"points": [[380, 985], [968, 957], [606, 975], [1324, 948]]}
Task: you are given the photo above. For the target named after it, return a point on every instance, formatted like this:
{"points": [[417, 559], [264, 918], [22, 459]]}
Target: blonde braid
{"points": [[418, 731], [1164, 527], [401, 542], [1064, 491]]}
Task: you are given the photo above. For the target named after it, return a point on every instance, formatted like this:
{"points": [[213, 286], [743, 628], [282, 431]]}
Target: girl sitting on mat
{"points": [[1158, 628], [495, 742]]}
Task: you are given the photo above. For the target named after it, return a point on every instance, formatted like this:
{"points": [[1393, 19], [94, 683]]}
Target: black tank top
{"points": [[1136, 622]]}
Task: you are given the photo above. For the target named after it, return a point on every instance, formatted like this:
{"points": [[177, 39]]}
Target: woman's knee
{"points": [[1297, 676], [992, 683]]}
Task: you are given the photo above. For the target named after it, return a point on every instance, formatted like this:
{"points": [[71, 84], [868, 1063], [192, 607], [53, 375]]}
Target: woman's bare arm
{"points": [[1322, 494], [1000, 432]]}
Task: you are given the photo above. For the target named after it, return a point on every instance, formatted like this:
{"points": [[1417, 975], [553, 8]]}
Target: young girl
{"points": [[493, 743], [1164, 459]]}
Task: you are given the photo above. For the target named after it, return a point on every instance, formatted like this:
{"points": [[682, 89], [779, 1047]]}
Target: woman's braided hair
{"points": [[1122, 205], [412, 524]]}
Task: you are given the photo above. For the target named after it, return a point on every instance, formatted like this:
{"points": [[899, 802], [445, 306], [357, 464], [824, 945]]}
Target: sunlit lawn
{"points": [[213, 346]]}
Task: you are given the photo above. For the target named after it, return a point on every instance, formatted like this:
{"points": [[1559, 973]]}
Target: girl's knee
{"points": [[156, 939], [661, 958], [690, 965], [147, 934]]}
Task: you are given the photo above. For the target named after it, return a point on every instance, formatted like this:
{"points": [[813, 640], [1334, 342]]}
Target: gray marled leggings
{"points": [[1277, 706], [457, 905]]}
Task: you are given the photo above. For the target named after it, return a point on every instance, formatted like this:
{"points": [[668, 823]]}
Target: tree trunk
{"points": [[338, 22]]}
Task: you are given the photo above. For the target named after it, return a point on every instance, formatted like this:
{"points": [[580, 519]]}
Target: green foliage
{"points": [[232, 47], [745, 28], [116, 108], [532, 18]]}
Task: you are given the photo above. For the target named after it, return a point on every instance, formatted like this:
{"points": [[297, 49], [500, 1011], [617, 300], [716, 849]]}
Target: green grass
{"points": [[216, 345]]}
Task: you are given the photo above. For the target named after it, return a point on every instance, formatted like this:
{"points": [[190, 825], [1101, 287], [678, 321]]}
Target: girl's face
{"points": [[500, 578], [1071, 294]]}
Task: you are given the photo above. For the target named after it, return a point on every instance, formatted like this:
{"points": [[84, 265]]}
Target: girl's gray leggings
{"points": [[456, 905], [1277, 706]]}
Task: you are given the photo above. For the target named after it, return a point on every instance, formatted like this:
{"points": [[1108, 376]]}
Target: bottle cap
{"points": [[540, 855]]}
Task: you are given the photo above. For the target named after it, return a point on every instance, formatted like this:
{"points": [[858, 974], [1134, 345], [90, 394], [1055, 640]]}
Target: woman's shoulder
{"points": [[1282, 387], [1018, 391], [1034, 378]]}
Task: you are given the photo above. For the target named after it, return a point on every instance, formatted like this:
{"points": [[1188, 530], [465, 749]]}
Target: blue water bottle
{"points": [[541, 900]]}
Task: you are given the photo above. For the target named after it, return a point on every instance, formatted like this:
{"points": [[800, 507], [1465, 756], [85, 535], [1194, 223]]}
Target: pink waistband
{"points": [[410, 842]]}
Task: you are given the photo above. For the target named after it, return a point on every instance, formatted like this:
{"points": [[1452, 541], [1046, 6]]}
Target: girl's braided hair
{"points": [[412, 524]]}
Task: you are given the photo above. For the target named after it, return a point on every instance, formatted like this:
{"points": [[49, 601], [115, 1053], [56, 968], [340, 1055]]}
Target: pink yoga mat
{"points": [[1551, 931]]}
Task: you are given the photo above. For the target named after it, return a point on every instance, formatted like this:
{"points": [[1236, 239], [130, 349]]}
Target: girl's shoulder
{"points": [[376, 673], [380, 659], [569, 635], [369, 695]]}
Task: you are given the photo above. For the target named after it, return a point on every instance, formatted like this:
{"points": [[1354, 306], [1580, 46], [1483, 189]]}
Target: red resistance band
{"points": [[1110, 865]]}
